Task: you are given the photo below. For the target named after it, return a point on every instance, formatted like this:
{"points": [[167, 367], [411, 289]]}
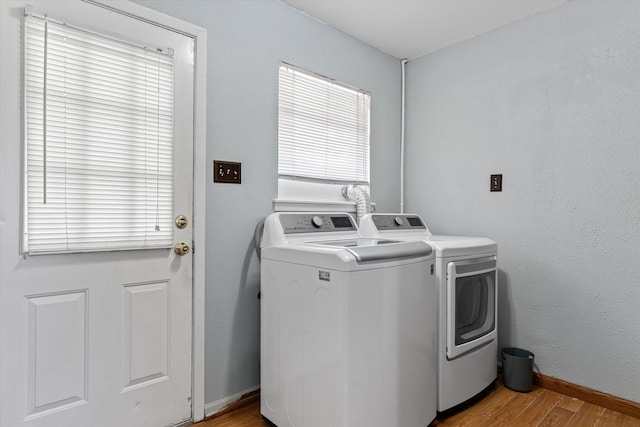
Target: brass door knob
{"points": [[181, 221], [181, 249]]}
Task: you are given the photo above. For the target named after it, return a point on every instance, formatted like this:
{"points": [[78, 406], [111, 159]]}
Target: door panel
{"points": [[56, 352], [93, 339], [146, 354]]}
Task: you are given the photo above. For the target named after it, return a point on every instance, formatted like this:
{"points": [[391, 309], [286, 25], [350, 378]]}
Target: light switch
{"points": [[496, 183], [227, 172]]}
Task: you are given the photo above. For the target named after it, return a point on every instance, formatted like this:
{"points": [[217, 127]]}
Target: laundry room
{"points": [[548, 100]]}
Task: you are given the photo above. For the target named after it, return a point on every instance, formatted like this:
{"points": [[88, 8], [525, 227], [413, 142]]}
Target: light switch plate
{"points": [[496, 183], [227, 172]]}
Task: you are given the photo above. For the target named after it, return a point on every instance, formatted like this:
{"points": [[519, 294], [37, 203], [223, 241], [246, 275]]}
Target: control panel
{"points": [[398, 222], [312, 223]]}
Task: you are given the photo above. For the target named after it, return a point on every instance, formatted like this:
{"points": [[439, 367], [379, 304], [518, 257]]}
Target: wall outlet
{"points": [[496, 183], [227, 172]]}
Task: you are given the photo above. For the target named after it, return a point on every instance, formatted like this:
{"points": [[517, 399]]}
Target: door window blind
{"points": [[99, 140], [323, 128]]}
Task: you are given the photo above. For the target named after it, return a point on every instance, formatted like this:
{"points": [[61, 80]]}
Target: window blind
{"points": [[323, 128], [99, 140]]}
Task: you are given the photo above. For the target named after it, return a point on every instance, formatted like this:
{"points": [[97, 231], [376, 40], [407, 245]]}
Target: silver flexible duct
{"points": [[357, 194]]}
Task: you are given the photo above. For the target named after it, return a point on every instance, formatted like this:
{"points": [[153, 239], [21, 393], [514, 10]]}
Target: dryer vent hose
{"points": [[358, 194], [257, 238]]}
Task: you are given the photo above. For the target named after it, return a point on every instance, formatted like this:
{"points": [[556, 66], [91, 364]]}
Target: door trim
{"points": [[199, 36]]}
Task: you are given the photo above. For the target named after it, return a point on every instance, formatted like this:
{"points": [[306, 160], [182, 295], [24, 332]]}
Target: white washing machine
{"points": [[466, 275], [340, 344]]}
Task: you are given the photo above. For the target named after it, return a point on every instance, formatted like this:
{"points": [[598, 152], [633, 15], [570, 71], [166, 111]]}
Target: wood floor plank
{"points": [[501, 399], [541, 406], [461, 419], [611, 418], [631, 421], [245, 416], [505, 415], [488, 411], [587, 415], [569, 403], [557, 417], [498, 397]]}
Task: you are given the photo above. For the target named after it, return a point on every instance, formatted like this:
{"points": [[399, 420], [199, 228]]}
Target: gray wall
{"points": [[553, 103], [246, 42]]}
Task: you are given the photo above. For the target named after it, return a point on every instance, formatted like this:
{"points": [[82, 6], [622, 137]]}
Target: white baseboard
{"points": [[215, 406]]}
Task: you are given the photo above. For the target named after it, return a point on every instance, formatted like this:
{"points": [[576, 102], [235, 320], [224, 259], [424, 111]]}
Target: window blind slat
{"points": [[323, 128], [99, 141]]}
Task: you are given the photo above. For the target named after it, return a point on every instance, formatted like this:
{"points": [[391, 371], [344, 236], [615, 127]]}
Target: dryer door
{"points": [[471, 304]]}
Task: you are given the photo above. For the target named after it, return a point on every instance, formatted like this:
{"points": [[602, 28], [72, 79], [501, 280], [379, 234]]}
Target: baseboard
{"points": [[230, 403], [599, 398], [618, 404]]}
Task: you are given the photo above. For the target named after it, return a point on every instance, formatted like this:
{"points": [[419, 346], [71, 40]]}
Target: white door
{"points": [[100, 338]]}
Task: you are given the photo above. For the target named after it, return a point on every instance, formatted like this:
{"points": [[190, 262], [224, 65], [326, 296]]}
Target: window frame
{"points": [[304, 192]]}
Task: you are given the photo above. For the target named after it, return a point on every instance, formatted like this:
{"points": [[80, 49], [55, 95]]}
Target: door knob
{"points": [[181, 249], [181, 221]]}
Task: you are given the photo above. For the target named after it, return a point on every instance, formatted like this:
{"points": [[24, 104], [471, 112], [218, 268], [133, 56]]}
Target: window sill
{"points": [[302, 205]]}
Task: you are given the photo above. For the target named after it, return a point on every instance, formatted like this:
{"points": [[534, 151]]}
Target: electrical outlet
{"points": [[496, 183], [227, 172]]}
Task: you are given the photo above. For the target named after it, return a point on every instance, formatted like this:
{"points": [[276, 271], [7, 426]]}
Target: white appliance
{"points": [[347, 326], [466, 275]]}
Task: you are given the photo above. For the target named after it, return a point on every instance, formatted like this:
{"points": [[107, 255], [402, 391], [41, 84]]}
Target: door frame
{"points": [[199, 35]]}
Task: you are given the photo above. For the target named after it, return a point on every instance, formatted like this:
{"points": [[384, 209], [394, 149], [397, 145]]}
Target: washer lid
{"points": [[450, 246], [412, 227], [365, 250]]}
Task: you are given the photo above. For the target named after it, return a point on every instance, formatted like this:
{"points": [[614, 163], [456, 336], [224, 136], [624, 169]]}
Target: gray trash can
{"points": [[517, 368]]}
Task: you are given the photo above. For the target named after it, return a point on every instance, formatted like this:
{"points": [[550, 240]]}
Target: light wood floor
{"points": [[502, 407]]}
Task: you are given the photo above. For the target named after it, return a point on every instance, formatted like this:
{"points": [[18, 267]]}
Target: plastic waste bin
{"points": [[517, 369]]}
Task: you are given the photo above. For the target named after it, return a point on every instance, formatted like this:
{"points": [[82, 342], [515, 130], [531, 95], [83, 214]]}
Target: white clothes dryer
{"points": [[466, 276], [339, 342]]}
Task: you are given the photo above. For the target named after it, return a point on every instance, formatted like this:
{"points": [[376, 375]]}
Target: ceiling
{"points": [[412, 28]]}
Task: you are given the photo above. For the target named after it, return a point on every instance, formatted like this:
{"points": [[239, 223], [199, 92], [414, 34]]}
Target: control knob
{"points": [[316, 221]]}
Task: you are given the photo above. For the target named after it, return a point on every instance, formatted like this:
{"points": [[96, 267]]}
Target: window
{"points": [[98, 143], [323, 135]]}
